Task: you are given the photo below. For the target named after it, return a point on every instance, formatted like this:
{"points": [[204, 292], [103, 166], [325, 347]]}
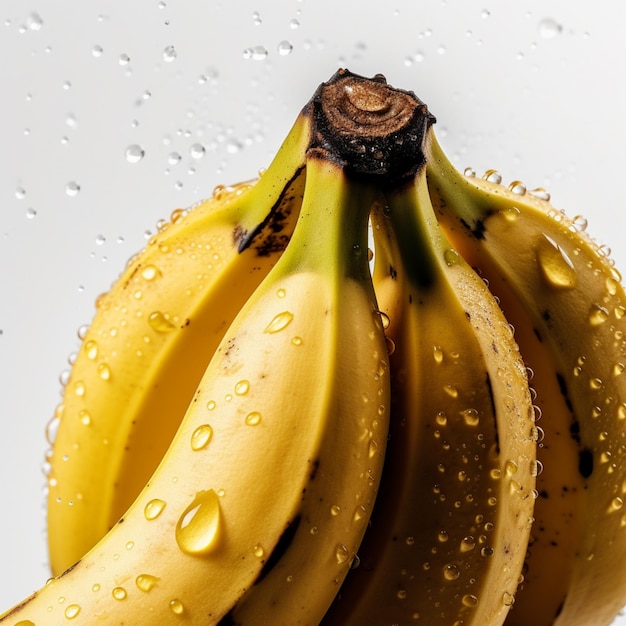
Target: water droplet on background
{"points": [[549, 28], [153, 509], [284, 48], [72, 189], [201, 437], [169, 54], [134, 153], [279, 322]]}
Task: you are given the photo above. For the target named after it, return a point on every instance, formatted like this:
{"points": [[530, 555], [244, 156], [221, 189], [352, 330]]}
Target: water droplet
{"points": [[341, 553], [451, 391], [540, 193], [549, 28], [258, 551], [242, 387], [294, 23], [510, 214], [91, 349], [134, 153], [197, 151], [71, 611], [359, 513], [468, 544], [153, 509], [470, 600], [616, 504], [555, 266], [123, 59], [197, 529], [176, 607], [256, 53], [72, 189], [451, 257], [597, 315], [517, 187], [119, 593], [493, 176], [451, 572], [201, 437], [34, 21], [508, 599], [279, 322], [150, 272], [173, 158], [146, 582], [284, 48], [79, 388], [85, 417], [253, 418], [471, 417], [160, 322], [438, 354], [442, 536], [169, 54], [104, 371]]}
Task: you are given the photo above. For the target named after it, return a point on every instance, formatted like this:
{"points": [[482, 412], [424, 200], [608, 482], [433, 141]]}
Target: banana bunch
{"points": [[264, 425]]}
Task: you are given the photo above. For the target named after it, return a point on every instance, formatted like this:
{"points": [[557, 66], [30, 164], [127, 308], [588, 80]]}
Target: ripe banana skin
{"points": [[270, 479], [259, 430], [558, 285], [449, 530], [148, 345]]}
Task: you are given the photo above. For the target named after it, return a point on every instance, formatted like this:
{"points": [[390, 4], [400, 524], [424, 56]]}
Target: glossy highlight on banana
{"points": [[362, 388]]}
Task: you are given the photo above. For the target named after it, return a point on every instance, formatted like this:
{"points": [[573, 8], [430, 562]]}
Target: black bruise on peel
{"points": [[269, 228], [493, 412], [585, 455]]}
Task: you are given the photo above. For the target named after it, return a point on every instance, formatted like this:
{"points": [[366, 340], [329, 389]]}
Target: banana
{"points": [[560, 286], [259, 504], [146, 349], [449, 529]]}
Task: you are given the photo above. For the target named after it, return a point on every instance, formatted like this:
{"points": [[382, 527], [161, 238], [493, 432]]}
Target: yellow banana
{"points": [[149, 342], [560, 285], [449, 530], [257, 508]]}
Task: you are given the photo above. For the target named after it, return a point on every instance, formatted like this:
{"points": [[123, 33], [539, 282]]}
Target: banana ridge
{"points": [[571, 292], [450, 525], [147, 347]]}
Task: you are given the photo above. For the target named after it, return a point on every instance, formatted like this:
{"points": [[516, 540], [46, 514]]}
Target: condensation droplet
{"points": [[253, 418], [71, 611], [146, 582], [169, 54], [616, 504], [242, 387], [284, 48], [91, 349], [119, 593], [451, 572], [470, 600], [134, 153], [160, 322], [451, 257], [197, 151], [34, 22], [197, 529], [471, 417], [176, 607], [279, 322], [258, 551], [72, 189], [555, 266], [549, 28], [341, 553], [104, 371], [85, 417], [597, 315], [438, 354], [508, 599], [359, 513], [153, 509], [201, 437], [150, 272]]}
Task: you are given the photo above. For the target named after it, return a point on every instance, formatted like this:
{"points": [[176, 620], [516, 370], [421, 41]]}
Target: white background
{"points": [[533, 88]]}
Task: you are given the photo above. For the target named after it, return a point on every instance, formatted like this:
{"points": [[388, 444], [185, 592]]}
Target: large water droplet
{"points": [[342, 553], [279, 322], [119, 593], [284, 48], [555, 266], [451, 572], [253, 418], [71, 611], [197, 530], [176, 607]]}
